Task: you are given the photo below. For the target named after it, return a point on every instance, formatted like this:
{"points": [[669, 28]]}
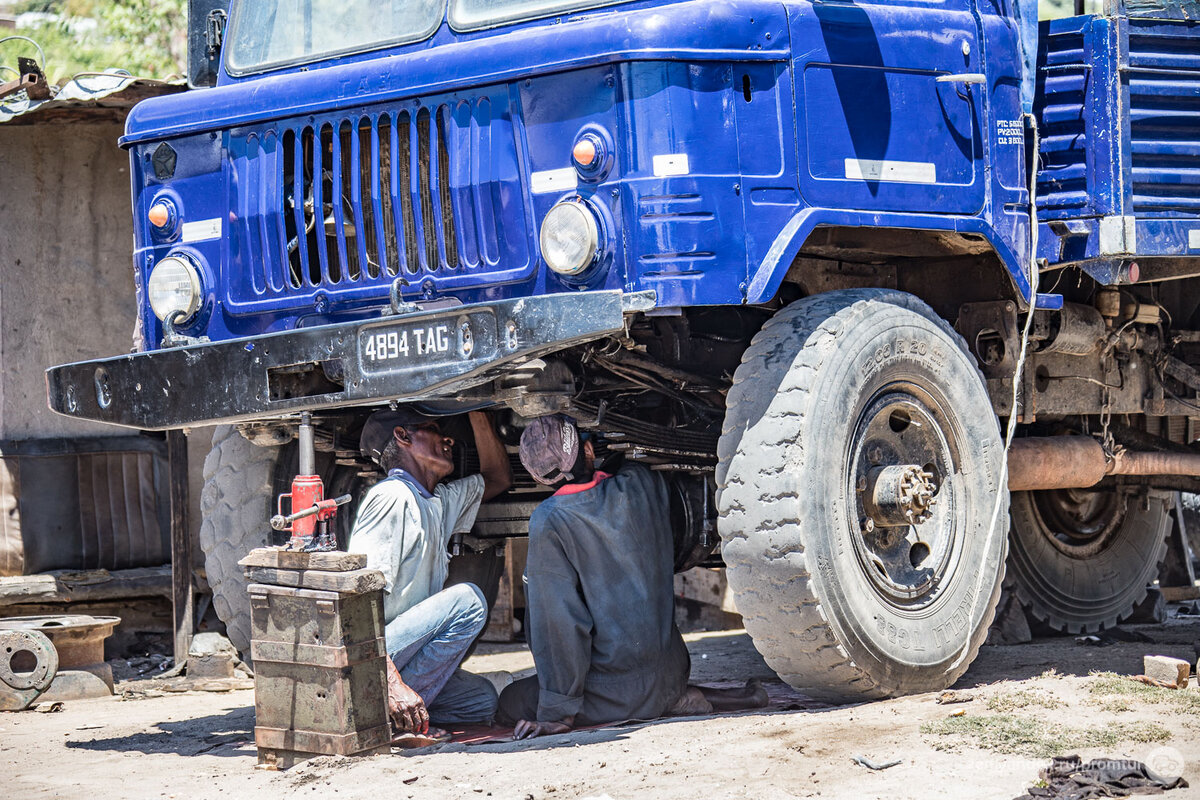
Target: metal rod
{"points": [[183, 593], [308, 457]]}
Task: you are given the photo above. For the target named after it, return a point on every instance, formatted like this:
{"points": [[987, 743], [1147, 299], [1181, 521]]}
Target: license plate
{"points": [[433, 341]]}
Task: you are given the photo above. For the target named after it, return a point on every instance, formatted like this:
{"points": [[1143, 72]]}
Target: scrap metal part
{"points": [[78, 642], [32, 81], [28, 664]]}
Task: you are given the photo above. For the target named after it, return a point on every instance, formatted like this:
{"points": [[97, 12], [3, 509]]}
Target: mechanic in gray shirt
{"points": [[403, 526], [600, 604]]}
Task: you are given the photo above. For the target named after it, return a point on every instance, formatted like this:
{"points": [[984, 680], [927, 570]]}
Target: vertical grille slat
{"points": [[429, 242], [295, 197], [407, 188], [266, 220], [338, 261], [463, 153], [385, 194], [367, 155], [280, 217], [449, 239], [483, 180], [322, 167], [350, 232], [247, 208]]}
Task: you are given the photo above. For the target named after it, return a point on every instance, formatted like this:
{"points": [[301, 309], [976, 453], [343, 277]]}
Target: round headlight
{"points": [[174, 285], [570, 237]]}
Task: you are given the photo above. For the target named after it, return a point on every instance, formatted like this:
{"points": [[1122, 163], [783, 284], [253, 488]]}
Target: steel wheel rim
{"points": [[903, 424]]}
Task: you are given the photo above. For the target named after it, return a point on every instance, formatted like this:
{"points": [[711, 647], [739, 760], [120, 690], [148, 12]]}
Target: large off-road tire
{"points": [[1080, 560], [1190, 506], [832, 387], [239, 487]]}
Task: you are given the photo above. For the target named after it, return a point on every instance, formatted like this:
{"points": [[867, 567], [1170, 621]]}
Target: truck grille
{"points": [[1164, 117], [377, 177], [353, 202]]}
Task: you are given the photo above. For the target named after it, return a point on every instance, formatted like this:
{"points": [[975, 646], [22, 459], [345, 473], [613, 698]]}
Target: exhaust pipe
{"points": [[1077, 462]]}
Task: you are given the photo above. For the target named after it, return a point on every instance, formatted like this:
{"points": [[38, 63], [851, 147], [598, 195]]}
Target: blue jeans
{"points": [[428, 642]]}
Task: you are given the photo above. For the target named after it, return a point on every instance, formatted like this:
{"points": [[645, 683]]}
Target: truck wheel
{"points": [[1080, 560], [239, 485], [838, 396], [1191, 520]]}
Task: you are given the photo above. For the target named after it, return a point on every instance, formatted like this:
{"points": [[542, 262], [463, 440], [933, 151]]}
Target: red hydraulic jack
{"points": [[310, 525]]}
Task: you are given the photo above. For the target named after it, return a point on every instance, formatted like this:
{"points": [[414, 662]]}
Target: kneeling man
{"points": [[600, 602], [403, 526]]}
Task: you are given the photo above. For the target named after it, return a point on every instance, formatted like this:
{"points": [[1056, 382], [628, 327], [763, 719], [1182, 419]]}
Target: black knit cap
{"points": [[377, 431]]}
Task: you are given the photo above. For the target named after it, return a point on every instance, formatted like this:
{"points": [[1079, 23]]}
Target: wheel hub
{"points": [[899, 454], [899, 495]]}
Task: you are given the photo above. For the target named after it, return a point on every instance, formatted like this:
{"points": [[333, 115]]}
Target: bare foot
{"points": [[410, 740], [752, 695], [690, 704]]}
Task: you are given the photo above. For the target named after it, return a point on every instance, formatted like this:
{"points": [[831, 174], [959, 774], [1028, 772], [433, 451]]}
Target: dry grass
{"points": [[1023, 698], [1018, 735], [1114, 692]]}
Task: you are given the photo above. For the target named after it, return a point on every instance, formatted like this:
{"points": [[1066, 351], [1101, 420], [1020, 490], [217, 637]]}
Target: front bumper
{"points": [[246, 379]]}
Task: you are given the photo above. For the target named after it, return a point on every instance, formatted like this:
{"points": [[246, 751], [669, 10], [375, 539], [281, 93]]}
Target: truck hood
{"points": [[692, 31]]}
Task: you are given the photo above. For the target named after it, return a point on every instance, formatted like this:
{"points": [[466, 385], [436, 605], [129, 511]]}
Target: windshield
{"points": [[274, 33], [269, 33]]}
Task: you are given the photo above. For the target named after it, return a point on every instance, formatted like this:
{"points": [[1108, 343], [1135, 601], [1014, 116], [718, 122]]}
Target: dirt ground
{"points": [[1030, 701]]}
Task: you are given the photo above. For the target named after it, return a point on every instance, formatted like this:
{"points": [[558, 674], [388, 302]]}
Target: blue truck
{"points": [[847, 271]]}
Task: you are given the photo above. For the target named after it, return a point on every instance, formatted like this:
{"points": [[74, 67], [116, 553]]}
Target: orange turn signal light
{"points": [[159, 215], [584, 152]]}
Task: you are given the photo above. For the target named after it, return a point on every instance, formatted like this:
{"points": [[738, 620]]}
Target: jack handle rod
{"points": [[280, 523]]}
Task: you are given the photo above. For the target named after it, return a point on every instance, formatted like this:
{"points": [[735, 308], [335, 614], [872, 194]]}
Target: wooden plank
{"points": [[355, 582], [276, 558], [706, 585], [183, 595], [65, 586], [1180, 594]]}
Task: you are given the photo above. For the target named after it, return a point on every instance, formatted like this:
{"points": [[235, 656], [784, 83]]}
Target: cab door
{"points": [[889, 104]]}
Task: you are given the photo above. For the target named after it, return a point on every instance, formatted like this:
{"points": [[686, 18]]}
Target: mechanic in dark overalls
{"points": [[601, 614]]}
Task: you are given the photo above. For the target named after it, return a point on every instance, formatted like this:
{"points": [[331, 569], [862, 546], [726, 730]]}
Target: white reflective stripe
{"points": [[671, 164], [201, 230], [553, 180], [1194, 239], [862, 169]]}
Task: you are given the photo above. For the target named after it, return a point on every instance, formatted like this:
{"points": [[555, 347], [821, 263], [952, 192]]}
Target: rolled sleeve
{"points": [[460, 501], [553, 706]]}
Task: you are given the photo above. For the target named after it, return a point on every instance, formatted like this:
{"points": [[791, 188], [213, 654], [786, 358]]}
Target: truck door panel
{"points": [[877, 130]]}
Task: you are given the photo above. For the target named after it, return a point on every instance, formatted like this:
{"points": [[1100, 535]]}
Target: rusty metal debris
{"points": [[28, 664], [78, 641], [32, 81], [950, 696]]}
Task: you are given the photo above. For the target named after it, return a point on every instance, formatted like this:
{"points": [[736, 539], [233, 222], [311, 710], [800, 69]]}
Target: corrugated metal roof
{"points": [[88, 97]]}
